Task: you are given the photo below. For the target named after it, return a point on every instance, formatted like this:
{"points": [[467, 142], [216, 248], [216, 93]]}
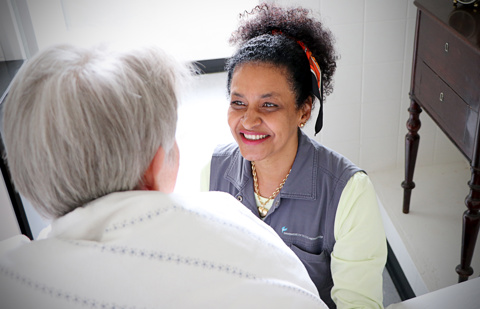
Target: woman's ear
{"points": [[306, 109], [150, 181]]}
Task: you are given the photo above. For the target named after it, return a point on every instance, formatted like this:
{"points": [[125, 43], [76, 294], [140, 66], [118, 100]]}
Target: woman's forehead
{"points": [[261, 81], [260, 73]]}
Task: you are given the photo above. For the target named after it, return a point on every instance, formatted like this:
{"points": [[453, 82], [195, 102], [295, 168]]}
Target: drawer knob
{"points": [[441, 97], [446, 47]]}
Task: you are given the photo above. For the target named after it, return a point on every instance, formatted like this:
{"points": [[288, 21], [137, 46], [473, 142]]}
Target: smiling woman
{"points": [[263, 117], [322, 205]]}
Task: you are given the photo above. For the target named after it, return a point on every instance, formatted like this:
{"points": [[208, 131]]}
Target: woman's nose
{"points": [[251, 119]]}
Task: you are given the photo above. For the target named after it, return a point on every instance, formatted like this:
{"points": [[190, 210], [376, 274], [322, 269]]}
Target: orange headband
{"points": [[314, 67], [317, 86]]}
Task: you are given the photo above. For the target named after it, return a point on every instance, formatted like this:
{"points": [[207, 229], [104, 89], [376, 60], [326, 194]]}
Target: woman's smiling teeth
{"points": [[254, 137]]}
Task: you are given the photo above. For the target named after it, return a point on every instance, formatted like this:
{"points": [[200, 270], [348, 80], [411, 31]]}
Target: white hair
{"points": [[82, 123]]}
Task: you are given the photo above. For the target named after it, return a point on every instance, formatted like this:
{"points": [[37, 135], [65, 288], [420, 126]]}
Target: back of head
{"points": [[83, 123]]}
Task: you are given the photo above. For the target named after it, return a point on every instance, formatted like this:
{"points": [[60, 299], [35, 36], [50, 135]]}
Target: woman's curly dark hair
{"points": [[258, 43]]}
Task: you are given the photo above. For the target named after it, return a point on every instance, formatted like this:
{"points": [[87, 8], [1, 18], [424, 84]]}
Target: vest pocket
{"points": [[318, 268], [309, 257]]}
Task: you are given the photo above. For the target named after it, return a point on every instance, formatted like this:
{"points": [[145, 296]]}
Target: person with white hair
{"points": [[90, 141]]}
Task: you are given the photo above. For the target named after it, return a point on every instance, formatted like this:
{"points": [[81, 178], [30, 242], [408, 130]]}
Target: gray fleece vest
{"points": [[303, 214]]}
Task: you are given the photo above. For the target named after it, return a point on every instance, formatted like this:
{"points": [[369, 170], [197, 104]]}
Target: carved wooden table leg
{"points": [[411, 149], [471, 224]]}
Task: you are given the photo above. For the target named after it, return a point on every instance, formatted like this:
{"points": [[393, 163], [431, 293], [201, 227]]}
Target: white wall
{"points": [[193, 30]]}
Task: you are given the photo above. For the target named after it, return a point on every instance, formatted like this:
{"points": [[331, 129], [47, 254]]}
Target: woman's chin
{"points": [[251, 156]]}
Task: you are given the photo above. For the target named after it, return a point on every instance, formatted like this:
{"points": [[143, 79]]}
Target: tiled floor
{"points": [[427, 241]]}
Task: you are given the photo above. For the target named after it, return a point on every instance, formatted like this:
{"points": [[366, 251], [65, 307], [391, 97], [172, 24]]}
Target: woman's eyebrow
{"points": [[269, 95], [263, 96], [237, 94]]}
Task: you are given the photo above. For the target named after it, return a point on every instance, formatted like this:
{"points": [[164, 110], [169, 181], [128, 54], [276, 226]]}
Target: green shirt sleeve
{"points": [[360, 250]]}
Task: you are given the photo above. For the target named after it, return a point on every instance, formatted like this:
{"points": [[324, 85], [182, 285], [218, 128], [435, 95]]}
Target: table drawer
{"points": [[453, 115], [451, 58]]}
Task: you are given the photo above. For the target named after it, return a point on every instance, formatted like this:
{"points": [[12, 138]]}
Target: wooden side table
{"points": [[446, 84]]}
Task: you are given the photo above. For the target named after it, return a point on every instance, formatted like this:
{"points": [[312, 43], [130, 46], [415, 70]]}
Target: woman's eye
{"points": [[267, 104], [237, 103]]}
